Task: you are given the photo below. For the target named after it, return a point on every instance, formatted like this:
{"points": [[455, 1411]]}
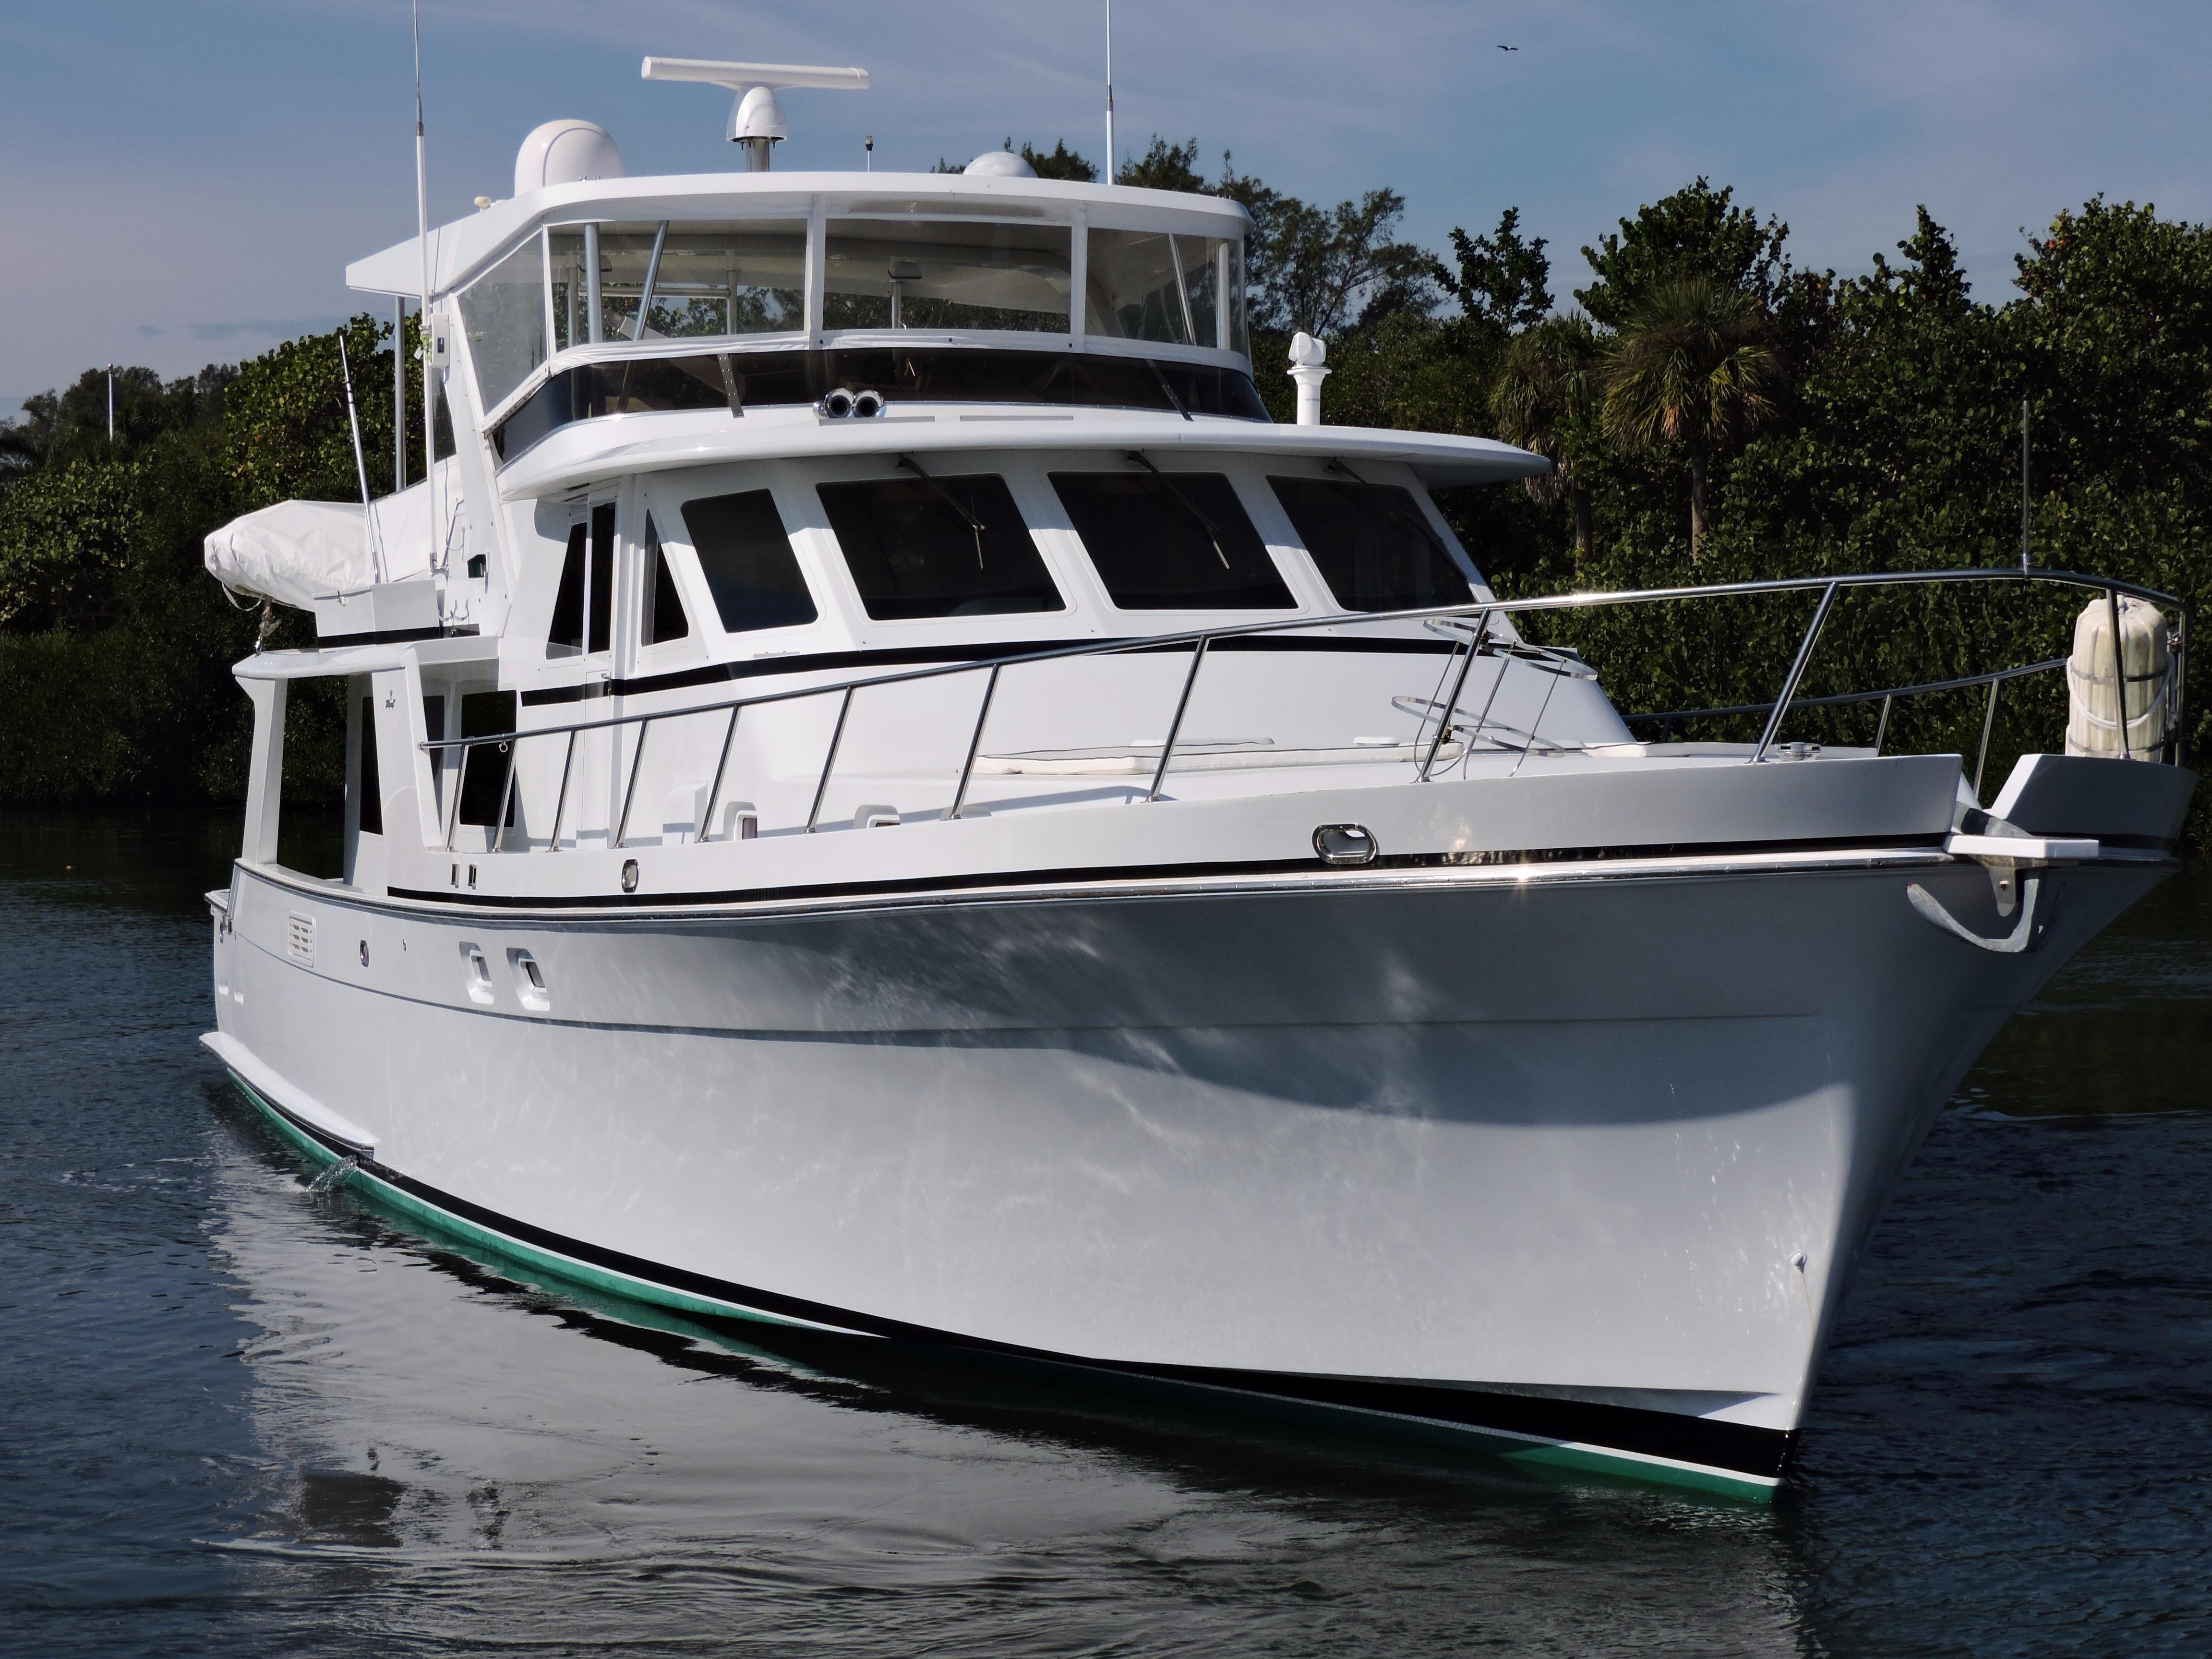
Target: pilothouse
{"points": [[884, 792]]}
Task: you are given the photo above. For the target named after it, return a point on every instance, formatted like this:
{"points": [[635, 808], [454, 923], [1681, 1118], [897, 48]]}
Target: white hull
{"points": [[1537, 1150]]}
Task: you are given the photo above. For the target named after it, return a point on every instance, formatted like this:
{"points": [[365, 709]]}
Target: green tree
{"points": [[1547, 398], [66, 534], [1696, 232], [1061, 162], [1689, 371], [1166, 167], [1502, 280]]}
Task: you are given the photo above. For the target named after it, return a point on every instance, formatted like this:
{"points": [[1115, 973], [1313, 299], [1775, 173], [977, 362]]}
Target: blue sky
{"points": [[183, 182]]}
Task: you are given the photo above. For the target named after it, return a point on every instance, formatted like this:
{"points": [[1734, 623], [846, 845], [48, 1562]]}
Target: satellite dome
{"points": [[565, 153], [1000, 164]]}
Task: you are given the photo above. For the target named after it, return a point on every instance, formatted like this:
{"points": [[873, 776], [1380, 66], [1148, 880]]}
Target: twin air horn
{"points": [[756, 118]]}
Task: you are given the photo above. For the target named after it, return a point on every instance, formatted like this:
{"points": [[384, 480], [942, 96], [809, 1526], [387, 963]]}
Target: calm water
{"points": [[240, 1416]]}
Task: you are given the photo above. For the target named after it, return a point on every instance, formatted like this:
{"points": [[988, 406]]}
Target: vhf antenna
{"points": [[423, 245], [1110, 92]]}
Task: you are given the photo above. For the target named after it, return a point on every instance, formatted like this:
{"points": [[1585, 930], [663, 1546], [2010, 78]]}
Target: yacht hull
{"points": [[1577, 1157]]}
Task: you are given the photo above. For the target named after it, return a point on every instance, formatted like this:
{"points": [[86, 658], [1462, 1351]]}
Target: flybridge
{"points": [[582, 269]]}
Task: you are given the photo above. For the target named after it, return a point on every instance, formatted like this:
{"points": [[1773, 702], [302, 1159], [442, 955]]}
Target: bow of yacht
{"points": [[883, 794]]}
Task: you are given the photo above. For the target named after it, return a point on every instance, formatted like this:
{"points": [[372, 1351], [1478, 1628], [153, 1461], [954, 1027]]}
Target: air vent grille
{"points": [[300, 941]]}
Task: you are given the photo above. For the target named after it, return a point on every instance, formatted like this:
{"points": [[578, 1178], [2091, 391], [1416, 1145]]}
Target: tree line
{"points": [[1714, 412]]}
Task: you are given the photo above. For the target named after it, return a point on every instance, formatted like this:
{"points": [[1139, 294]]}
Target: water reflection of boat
{"points": [[1278, 975]]}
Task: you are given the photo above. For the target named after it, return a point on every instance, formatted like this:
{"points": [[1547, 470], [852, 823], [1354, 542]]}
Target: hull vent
{"points": [[300, 942]]}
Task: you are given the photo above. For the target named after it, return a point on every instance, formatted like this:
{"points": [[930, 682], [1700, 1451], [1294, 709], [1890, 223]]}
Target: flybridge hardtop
{"points": [[883, 794]]}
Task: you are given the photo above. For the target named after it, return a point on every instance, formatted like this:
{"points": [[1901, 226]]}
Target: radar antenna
{"points": [[756, 118]]}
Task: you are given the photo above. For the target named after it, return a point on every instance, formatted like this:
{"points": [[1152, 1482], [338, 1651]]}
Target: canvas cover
{"points": [[297, 551]]}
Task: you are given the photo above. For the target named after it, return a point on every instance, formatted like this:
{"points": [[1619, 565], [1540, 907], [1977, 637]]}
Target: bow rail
{"points": [[1470, 627]]}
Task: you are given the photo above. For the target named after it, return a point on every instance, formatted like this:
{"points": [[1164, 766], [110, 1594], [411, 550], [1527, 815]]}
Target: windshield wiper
{"points": [[946, 499], [1188, 505]]}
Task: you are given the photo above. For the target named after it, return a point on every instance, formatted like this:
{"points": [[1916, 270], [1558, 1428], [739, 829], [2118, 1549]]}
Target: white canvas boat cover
{"points": [[297, 551]]}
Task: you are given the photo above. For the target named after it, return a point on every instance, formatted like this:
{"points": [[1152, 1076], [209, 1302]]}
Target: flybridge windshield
{"points": [[896, 273], [686, 281], [618, 283], [1148, 285]]}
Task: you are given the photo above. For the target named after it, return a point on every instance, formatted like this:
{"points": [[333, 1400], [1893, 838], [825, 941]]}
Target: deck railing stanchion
{"points": [[974, 743], [1175, 727], [2119, 667], [1881, 726], [1451, 703], [836, 737], [714, 790], [561, 799], [1796, 671], [513, 749], [453, 803], [2177, 703], [629, 794], [1989, 724]]}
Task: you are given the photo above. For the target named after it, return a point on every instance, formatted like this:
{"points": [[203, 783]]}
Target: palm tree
{"points": [[1547, 391], [1689, 368]]}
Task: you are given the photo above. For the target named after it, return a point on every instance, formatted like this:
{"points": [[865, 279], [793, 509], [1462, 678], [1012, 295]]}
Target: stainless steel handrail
{"points": [[1675, 716], [1344, 619], [1202, 640]]}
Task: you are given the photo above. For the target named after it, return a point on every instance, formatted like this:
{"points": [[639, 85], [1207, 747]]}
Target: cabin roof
{"points": [[624, 446]]}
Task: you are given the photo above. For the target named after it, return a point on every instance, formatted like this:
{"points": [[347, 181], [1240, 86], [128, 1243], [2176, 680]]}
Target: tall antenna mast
{"points": [[423, 245], [1110, 92]]}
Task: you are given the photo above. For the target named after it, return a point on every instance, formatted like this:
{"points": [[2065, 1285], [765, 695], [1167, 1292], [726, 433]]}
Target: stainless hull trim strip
{"points": [[1060, 886]]}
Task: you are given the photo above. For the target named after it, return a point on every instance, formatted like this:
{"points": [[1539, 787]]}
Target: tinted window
{"points": [[372, 789], [483, 782], [587, 587], [567, 634], [747, 561], [664, 618], [939, 547], [1374, 548], [1174, 543]]}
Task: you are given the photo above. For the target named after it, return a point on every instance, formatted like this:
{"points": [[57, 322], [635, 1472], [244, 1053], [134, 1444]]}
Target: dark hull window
{"points": [[483, 788], [1176, 543], [746, 558], [1373, 548], [939, 547], [663, 618], [566, 637], [587, 587], [603, 577], [370, 814], [434, 724]]}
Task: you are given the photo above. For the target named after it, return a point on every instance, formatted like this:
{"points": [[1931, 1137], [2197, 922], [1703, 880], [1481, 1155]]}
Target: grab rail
{"points": [[1480, 611]]}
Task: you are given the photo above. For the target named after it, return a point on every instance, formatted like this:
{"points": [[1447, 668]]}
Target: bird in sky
{"points": [[1509, 48]]}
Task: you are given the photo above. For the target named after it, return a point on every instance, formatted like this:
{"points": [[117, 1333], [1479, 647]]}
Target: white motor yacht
{"points": [[885, 794]]}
